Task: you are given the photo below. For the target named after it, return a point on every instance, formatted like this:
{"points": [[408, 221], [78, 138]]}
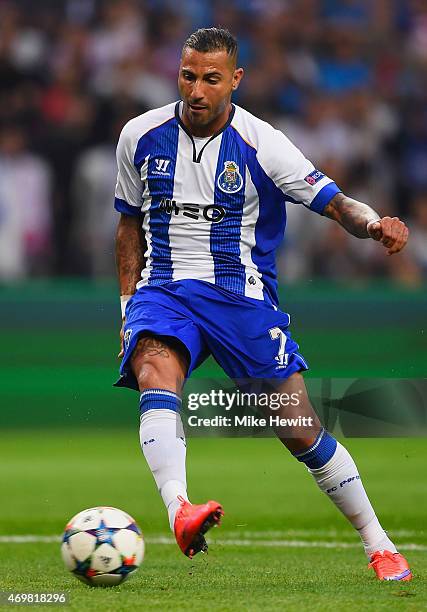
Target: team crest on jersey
{"points": [[230, 180]]}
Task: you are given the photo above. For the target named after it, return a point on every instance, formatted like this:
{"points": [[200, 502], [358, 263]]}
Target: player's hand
{"points": [[390, 231], [122, 351]]}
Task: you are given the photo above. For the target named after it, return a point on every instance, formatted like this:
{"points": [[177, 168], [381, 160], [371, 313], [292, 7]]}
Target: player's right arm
{"points": [[130, 249], [130, 239]]}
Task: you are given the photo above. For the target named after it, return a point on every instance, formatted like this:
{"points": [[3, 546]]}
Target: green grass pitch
{"points": [[282, 544]]}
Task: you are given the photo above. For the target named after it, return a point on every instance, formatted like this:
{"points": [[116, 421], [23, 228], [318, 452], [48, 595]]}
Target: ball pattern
{"points": [[102, 546]]}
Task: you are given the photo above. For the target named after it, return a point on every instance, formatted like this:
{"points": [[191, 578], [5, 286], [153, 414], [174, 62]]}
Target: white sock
{"points": [[162, 441], [340, 480]]}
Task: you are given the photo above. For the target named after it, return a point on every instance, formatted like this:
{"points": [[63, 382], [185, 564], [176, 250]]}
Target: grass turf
{"points": [[46, 477]]}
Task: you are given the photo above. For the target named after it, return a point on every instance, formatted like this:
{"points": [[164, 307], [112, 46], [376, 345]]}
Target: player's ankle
{"points": [[173, 492], [384, 544]]}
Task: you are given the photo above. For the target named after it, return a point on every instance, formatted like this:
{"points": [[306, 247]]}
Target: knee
{"points": [[147, 375], [150, 374], [156, 365]]}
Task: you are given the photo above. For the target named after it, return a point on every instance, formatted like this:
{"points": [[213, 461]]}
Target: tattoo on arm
{"points": [[130, 248], [351, 214]]}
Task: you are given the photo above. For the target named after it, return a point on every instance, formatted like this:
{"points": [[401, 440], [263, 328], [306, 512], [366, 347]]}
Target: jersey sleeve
{"points": [[128, 193], [295, 175]]}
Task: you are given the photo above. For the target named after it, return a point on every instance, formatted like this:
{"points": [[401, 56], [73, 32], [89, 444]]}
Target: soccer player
{"points": [[202, 187]]}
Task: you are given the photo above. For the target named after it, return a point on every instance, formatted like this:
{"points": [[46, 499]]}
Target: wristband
{"points": [[124, 299]]}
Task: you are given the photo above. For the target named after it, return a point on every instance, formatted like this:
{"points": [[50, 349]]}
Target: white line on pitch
{"points": [[284, 543], [47, 539], [317, 533]]}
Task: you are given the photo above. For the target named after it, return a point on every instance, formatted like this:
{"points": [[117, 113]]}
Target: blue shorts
{"points": [[248, 338]]}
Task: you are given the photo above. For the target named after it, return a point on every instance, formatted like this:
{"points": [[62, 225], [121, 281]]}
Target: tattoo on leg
{"points": [[153, 347]]}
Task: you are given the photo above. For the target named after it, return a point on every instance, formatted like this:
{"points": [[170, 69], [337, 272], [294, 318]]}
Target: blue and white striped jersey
{"points": [[214, 212]]}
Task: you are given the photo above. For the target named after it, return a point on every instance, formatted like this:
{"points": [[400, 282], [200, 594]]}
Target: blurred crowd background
{"points": [[346, 80]]}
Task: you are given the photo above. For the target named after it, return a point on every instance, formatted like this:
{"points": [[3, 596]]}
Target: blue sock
{"points": [[319, 453], [159, 399]]}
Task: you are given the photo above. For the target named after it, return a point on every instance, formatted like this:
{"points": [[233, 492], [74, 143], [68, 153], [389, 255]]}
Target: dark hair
{"points": [[206, 40]]}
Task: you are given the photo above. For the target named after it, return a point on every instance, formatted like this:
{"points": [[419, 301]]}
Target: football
{"points": [[102, 546]]}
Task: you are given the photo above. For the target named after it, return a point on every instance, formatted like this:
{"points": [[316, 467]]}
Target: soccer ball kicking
{"points": [[202, 190], [102, 546]]}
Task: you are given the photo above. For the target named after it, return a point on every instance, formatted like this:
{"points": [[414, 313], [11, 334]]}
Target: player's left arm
{"points": [[362, 221]]}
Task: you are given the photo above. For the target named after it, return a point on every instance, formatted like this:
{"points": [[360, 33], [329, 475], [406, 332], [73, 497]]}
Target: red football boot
{"points": [[390, 566], [192, 522]]}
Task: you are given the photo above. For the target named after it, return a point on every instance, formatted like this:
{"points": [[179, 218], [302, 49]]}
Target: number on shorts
{"points": [[277, 334]]}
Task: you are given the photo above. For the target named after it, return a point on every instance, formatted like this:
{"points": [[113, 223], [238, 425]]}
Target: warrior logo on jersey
{"points": [[161, 167], [230, 180]]}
